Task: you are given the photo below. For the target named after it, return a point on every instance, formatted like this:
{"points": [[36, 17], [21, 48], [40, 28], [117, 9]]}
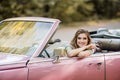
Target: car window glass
{"points": [[22, 37]]}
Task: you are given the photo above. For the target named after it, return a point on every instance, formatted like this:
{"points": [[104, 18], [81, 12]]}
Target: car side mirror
{"points": [[58, 52]]}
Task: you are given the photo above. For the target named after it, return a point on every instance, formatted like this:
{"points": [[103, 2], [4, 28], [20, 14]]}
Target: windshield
{"points": [[22, 37]]}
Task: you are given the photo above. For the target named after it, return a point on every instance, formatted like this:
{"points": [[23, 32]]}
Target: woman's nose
{"points": [[82, 40]]}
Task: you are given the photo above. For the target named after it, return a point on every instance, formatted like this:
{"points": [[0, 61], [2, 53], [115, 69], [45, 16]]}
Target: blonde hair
{"points": [[80, 31]]}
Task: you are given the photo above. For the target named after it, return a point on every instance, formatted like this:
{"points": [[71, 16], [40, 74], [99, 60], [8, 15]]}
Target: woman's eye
{"points": [[84, 38], [79, 38]]}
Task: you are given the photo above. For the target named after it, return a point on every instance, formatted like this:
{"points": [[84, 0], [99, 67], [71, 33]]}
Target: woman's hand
{"points": [[92, 46]]}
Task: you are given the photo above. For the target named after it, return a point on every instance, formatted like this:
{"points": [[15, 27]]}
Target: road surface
{"points": [[67, 33]]}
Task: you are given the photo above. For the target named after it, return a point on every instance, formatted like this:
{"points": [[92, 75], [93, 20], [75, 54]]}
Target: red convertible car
{"points": [[27, 53]]}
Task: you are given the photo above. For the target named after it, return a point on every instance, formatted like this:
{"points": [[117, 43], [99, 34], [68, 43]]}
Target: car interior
{"points": [[106, 41]]}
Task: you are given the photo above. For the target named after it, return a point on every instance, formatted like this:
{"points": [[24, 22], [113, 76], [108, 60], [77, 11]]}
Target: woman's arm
{"points": [[83, 50], [75, 52], [85, 53]]}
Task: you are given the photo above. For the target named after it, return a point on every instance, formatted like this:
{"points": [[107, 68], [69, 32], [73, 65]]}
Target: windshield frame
{"points": [[47, 35]]}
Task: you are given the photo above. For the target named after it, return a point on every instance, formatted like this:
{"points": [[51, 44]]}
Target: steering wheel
{"points": [[45, 51]]}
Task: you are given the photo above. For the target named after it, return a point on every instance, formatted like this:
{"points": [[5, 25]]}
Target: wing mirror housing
{"points": [[59, 52]]}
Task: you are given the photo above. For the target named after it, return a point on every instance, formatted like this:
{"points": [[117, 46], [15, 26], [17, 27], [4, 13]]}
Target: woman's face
{"points": [[82, 40]]}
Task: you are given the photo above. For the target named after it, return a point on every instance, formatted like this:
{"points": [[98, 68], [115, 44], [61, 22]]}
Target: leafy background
{"points": [[66, 10]]}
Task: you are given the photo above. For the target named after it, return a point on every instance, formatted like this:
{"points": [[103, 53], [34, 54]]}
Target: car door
{"points": [[112, 66], [90, 68], [14, 71]]}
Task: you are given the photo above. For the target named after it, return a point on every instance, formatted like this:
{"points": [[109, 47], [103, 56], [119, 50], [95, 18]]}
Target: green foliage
{"points": [[65, 10], [107, 8]]}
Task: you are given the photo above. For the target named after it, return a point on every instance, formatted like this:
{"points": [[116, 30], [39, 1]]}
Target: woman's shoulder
{"points": [[69, 46]]}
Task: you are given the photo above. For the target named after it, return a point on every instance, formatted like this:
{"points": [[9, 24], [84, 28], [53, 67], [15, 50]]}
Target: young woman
{"points": [[81, 45]]}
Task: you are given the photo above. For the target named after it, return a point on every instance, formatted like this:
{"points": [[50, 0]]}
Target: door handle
{"points": [[100, 63]]}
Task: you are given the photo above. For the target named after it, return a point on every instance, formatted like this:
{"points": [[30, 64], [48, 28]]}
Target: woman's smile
{"points": [[82, 40]]}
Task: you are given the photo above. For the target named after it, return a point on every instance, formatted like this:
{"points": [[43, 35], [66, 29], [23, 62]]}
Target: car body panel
{"points": [[13, 67], [67, 69], [6, 59], [112, 66], [20, 73]]}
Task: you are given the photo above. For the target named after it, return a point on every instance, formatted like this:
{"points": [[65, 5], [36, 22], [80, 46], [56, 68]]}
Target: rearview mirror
{"points": [[54, 41]]}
